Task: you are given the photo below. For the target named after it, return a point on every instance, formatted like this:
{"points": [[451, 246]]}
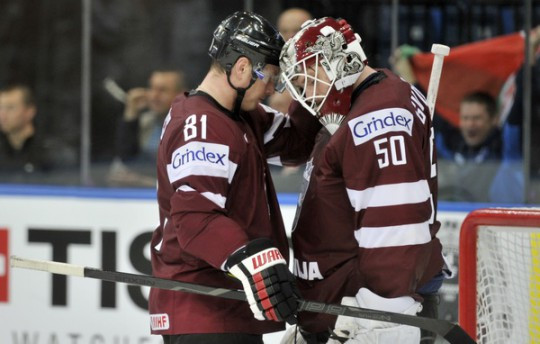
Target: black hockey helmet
{"points": [[246, 34]]}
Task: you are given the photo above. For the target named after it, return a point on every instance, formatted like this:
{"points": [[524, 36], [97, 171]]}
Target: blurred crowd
{"points": [[143, 58], [481, 156]]}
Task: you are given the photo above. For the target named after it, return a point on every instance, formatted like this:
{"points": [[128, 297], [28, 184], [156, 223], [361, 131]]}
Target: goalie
{"points": [[365, 229]]}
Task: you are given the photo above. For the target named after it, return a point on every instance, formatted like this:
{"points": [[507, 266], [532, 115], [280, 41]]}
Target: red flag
{"points": [[479, 66]]}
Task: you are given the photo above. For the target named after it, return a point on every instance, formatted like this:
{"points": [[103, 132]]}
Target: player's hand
{"points": [[267, 281]]}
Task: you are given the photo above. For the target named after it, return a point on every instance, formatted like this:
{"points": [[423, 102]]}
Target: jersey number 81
{"points": [[191, 129]]}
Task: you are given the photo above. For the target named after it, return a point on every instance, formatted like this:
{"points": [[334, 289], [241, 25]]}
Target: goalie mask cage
{"points": [[499, 278]]}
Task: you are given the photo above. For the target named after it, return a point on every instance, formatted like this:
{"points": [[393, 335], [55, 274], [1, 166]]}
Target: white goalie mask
{"points": [[333, 45]]}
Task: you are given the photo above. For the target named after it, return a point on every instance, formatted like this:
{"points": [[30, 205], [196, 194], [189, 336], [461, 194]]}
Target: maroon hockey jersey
{"points": [[368, 216], [215, 194]]}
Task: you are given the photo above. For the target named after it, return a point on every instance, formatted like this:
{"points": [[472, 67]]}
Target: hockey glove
{"points": [[267, 281]]}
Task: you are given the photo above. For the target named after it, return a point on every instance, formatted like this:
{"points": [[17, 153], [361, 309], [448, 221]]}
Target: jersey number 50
{"points": [[390, 150]]}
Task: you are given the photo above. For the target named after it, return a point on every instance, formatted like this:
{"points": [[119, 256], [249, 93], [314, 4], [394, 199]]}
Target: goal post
{"points": [[499, 275]]}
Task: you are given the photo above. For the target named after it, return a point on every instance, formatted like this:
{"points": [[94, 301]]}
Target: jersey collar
{"points": [[370, 81]]}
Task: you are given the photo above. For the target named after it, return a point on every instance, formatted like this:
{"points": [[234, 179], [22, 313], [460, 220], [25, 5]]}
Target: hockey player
{"points": [[219, 214], [365, 229]]}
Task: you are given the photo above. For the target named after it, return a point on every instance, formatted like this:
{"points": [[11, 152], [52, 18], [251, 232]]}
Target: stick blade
{"points": [[48, 266]]}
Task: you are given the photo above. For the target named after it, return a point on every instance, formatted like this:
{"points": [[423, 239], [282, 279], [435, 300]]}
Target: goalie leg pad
{"points": [[292, 336], [364, 331]]}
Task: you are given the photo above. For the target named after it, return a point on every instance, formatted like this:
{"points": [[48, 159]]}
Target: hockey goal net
{"points": [[499, 277]]}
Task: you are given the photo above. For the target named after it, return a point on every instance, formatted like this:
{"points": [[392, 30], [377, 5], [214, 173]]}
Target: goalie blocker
{"points": [[267, 281]]}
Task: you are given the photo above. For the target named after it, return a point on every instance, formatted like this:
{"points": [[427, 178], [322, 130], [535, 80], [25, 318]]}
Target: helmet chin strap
{"points": [[240, 92]]}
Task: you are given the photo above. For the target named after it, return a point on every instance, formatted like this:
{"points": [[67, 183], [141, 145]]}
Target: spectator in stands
{"points": [[469, 156], [140, 128], [290, 21], [509, 181], [146, 108], [475, 154], [24, 151], [399, 60], [480, 135]]}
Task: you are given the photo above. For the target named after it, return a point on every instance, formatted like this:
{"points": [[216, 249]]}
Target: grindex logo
{"points": [[373, 124], [4, 271], [199, 158], [187, 156]]}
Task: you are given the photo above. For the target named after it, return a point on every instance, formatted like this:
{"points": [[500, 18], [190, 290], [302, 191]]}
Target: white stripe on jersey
{"points": [[278, 119], [201, 159], [403, 235], [217, 199], [390, 194], [185, 188], [276, 160], [160, 243], [165, 124]]}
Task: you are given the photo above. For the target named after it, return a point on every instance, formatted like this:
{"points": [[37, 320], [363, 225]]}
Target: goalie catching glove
{"points": [[269, 285]]}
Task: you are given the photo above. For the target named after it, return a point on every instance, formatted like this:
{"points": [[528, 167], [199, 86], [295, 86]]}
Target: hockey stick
{"points": [[451, 332], [440, 51]]}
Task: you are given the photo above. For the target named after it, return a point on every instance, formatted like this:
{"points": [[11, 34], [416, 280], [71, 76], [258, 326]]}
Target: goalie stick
{"points": [[440, 51], [451, 332]]}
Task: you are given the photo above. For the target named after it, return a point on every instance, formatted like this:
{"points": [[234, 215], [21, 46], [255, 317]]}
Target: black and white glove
{"points": [[267, 281]]}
